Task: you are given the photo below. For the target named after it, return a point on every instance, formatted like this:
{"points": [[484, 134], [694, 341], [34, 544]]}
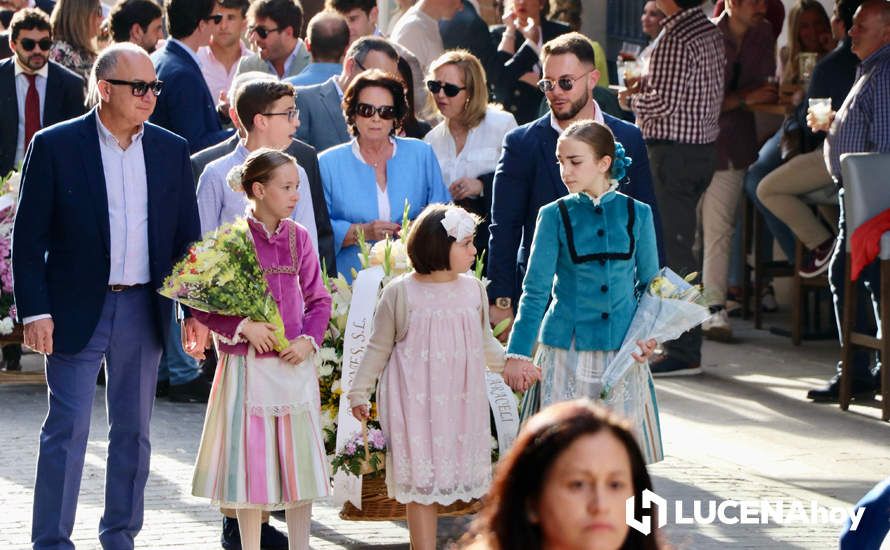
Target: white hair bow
{"points": [[458, 224]]}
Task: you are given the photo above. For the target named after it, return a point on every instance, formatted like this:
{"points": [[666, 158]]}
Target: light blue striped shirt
{"points": [[862, 124]]}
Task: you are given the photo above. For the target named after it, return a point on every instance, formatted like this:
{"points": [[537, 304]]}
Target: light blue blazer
{"points": [[350, 189], [588, 261]]}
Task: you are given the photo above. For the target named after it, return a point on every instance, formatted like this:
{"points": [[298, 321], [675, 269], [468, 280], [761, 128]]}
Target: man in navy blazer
{"points": [[186, 107], [60, 90], [527, 176], [107, 206]]}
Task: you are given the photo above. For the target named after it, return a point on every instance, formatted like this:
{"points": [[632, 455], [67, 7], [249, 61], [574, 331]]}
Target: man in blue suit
{"points": [[107, 206], [527, 176], [186, 107]]}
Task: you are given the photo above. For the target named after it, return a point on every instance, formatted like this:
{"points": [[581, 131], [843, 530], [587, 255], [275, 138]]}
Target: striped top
{"points": [[681, 93], [863, 123]]}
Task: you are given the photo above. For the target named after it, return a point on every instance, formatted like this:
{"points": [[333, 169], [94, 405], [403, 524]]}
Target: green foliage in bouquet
{"points": [[221, 274], [362, 456]]}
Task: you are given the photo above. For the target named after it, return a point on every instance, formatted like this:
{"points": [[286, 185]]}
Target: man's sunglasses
{"points": [[386, 112], [566, 83], [216, 18], [290, 113], [29, 43], [451, 90], [262, 32], [138, 87]]}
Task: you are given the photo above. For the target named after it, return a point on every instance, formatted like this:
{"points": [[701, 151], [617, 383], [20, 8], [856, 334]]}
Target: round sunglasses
{"points": [[451, 90], [29, 44], [365, 110], [565, 82]]}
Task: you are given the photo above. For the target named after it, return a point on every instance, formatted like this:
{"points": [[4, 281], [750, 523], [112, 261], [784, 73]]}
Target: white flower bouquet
{"points": [[670, 306]]}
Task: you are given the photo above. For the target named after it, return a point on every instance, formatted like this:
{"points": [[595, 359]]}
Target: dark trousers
{"points": [[867, 292], [12, 353], [681, 172]]}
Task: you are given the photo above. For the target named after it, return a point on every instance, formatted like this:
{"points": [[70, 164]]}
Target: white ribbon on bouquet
{"points": [[359, 323]]}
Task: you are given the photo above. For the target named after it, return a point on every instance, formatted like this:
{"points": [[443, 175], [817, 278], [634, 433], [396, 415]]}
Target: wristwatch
{"points": [[503, 303]]}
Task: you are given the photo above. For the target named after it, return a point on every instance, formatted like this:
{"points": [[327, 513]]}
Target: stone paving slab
{"points": [[743, 430]]}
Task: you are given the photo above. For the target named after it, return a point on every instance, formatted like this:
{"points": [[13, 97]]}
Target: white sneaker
{"points": [[717, 327]]}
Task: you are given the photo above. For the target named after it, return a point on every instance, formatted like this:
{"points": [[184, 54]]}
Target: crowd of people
{"points": [[141, 126]]}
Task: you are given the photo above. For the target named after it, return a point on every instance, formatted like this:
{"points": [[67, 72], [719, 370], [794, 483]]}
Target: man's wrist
{"points": [[503, 302]]}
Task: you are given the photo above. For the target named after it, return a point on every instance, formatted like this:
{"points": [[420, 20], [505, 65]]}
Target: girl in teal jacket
{"points": [[593, 252]]}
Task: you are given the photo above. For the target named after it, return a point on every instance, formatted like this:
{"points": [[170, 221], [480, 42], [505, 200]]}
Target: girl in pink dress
{"points": [[262, 447], [430, 345]]}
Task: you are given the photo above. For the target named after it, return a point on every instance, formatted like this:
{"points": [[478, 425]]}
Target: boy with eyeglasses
{"points": [[45, 93]]}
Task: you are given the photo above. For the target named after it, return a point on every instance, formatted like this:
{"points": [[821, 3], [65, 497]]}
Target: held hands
{"points": [[38, 335], [463, 188], [195, 337], [379, 230], [362, 412], [298, 351], [260, 335], [520, 374], [646, 349]]}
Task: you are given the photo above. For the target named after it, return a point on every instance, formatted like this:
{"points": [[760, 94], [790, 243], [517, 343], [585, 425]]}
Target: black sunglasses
{"points": [[216, 17], [138, 87], [386, 112], [566, 83], [451, 90], [262, 32], [29, 43]]}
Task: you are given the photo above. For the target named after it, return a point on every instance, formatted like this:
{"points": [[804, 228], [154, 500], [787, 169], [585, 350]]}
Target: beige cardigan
{"points": [[391, 326]]}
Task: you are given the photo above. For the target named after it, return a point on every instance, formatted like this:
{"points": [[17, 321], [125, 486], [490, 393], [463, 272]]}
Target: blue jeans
{"points": [[176, 365], [867, 292], [768, 159]]}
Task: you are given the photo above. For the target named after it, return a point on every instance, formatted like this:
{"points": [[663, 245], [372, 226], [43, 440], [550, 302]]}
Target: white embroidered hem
{"points": [[517, 356]]}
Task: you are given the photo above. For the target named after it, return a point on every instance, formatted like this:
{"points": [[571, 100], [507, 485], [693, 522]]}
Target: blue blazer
{"points": [[350, 190], [527, 178], [185, 106], [61, 238], [64, 100], [587, 263]]}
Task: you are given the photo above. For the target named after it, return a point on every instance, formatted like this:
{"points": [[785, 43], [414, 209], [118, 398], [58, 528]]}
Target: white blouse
{"points": [[481, 151]]}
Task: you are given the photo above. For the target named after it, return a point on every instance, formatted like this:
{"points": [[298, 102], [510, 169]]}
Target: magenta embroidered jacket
{"points": [[291, 269]]}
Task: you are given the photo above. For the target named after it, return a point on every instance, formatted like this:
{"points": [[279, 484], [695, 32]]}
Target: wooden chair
{"points": [[759, 268], [865, 196]]}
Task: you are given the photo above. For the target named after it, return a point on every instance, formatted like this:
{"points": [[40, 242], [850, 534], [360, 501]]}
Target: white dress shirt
{"points": [[481, 151], [21, 92], [126, 185]]}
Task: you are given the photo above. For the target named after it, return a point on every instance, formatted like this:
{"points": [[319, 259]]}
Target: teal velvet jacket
{"points": [[588, 260]]}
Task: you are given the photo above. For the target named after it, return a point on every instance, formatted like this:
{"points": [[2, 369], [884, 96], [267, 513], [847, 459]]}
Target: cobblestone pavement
{"points": [[743, 430]]}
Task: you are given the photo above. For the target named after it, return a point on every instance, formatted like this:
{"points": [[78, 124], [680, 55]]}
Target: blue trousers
{"points": [[127, 336], [867, 292], [176, 365]]}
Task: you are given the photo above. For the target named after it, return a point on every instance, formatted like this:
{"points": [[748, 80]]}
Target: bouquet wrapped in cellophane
{"points": [[221, 274], [670, 306]]}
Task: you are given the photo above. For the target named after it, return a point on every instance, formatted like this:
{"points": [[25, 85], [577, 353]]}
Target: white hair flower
{"points": [[233, 178], [458, 224]]}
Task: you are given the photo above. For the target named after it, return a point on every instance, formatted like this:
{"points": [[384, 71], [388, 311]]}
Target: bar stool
{"points": [[865, 196]]}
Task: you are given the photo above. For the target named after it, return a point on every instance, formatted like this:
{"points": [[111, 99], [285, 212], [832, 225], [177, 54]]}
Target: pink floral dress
{"points": [[433, 403]]}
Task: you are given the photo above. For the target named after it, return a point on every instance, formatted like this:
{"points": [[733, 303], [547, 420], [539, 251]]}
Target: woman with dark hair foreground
{"points": [[564, 484]]}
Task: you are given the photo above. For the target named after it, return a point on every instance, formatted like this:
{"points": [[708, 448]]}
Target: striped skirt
{"points": [[570, 374], [268, 456]]}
